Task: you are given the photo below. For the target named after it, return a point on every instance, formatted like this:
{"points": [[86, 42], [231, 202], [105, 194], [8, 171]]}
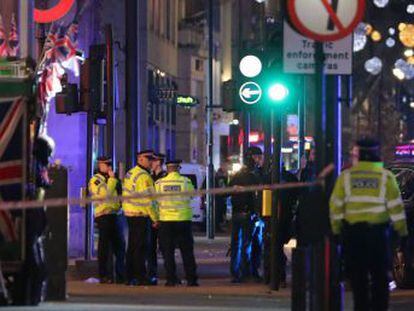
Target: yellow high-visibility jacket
{"points": [[367, 193], [174, 208], [99, 187], [139, 180]]}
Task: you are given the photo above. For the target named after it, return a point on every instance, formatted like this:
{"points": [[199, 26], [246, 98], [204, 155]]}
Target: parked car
{"points": [[403, 250], [196, 173]]}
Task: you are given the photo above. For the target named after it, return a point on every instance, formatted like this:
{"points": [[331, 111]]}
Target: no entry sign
{"points": [[53, 14], [326, 20]]}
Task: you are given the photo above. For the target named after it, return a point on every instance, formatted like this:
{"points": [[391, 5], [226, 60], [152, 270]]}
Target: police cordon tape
{"points": [[60, 202]]}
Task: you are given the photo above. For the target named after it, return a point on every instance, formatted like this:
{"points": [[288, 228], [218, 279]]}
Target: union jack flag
{"points": [[70, 46], [12, 133], [3, 39], [14, 47], [65, 47], [49, 47]]}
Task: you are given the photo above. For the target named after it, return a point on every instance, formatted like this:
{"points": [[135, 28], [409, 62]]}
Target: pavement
{"points": [[215, 291]]}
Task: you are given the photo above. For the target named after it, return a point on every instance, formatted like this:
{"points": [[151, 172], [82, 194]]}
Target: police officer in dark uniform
{"points": [[257, 222], [243, 207], [158, 172]]}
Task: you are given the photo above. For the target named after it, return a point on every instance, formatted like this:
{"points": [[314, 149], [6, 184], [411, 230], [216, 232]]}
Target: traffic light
{"points": [[250, 66], [248, 90], [260, 82], [278, 92]]}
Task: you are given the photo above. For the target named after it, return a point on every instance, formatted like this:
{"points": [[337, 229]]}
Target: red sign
{"points": [[53, 14], [324, 20]]}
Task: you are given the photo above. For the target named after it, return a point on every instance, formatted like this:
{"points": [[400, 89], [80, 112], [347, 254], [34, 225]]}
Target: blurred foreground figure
{"points": [[365, 200]]}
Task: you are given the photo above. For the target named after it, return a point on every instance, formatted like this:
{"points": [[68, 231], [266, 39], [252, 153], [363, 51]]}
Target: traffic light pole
{"points": [[276, 123], [320, 108], [210, 166], [301, 117]]}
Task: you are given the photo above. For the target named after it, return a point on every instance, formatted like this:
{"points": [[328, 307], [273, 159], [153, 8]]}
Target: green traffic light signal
{"points": [[278, 92]]}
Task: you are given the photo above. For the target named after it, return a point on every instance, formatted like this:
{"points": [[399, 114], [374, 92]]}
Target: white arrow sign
{"points": [[250, 93]]}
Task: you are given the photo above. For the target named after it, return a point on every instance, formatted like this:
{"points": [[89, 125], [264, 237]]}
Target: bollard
{"points": [[267, 203], [300, 266], [275, 240]]}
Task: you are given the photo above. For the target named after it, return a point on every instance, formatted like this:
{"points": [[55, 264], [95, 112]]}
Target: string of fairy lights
{"points": [[403, 67]]}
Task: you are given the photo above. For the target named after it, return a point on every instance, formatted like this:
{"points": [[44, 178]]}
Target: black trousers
{"points": [[241, 241], [152, 265], [137, 248], [178, 233], [367, 258], [111, 241]]}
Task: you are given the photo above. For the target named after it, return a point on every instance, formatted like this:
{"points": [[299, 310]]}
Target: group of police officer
{"points": [[365, 200], [164, 221]]}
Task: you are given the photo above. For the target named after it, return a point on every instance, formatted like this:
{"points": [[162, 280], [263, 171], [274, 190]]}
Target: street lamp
{"points": [[398, 73]]}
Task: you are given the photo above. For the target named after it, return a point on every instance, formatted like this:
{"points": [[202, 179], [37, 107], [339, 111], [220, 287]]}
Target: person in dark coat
{"points": [[243, 206], [220, 206], [34, 269], [158, 172]]}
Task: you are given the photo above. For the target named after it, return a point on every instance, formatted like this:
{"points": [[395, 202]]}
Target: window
{"points": [[174, 143], [151, 14], [199, 64], [173, 114], [173, 20], [157, 16], [168, 20], [156, 138]]}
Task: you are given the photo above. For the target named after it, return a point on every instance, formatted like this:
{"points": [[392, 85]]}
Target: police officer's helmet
{"points": [[250, 152], [369, 149], [104, 159]]}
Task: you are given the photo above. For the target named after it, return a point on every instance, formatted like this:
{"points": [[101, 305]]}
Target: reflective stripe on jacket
{"points": [[367, 193], [99, 187], [175, 208], [138, 180]]}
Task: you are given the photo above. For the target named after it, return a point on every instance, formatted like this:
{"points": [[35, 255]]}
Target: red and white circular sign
{"points": [[326, 20], [53, 14]]}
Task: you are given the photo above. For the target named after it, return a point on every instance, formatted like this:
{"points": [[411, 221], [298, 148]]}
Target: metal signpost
{"points": [[326, 22]]}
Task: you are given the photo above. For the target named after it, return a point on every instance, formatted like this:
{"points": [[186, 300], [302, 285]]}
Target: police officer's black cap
{"points": [[254, 151], [104, 159], [368, 144], [173, 162], [159, 156], [147, 152]]}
